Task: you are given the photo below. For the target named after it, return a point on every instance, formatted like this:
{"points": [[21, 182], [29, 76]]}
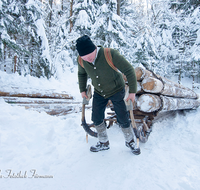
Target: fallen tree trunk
{"points": [[46, 94], [154, 85], [26, 100], [141, 73], [58, 107], [152, 103]]}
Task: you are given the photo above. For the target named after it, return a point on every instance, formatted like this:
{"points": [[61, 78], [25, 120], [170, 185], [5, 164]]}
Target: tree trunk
{"points": [[118, 7], [50, 14], [151, 103], [33, 94], [71, 13], [165, 87], [15, 63], [4, 57], [152, 83], [62, 6]]}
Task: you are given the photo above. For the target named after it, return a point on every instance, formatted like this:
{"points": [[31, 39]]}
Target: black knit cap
{"points": [[84, 45]]}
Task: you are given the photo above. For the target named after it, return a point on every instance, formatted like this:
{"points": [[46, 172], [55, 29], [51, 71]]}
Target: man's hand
{"points": [[83, 94], [131, 97]]}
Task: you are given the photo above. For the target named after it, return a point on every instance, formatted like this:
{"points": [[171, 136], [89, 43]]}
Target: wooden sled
{"points": [[157, 97]]}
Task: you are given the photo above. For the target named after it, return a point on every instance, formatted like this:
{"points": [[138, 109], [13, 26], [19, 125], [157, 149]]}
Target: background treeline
{"points": [[38, 36]]}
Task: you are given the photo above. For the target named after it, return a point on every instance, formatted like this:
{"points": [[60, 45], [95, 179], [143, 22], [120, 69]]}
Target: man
{"points": [[108, 85]]}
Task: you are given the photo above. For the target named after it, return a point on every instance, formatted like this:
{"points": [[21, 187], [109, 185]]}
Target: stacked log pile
{"points": [[52, 106], [158, 94], [49, 101], [157, 97]]}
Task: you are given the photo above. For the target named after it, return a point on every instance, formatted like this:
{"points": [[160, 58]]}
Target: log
{"points": [[37, 95], [167, 88], [52, 109], [142, 73], [152, 103], [25, 100], [139, 88], [175, 91], [152, 85], [170, 103], [149, 103], [56, 107], [171, 83]]}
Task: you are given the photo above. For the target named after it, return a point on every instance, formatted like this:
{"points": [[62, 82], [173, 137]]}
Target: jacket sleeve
{"points": [[126, 68], [82, 78]]}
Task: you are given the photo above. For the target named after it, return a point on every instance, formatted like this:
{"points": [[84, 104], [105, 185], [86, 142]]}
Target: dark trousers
{"points": [[99, 106]]}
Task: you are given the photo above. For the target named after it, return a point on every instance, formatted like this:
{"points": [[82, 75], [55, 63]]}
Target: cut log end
{"points": [[149, 86], [152, 85], [149, 103]]}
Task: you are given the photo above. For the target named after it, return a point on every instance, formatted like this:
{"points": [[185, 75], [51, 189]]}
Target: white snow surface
{"points": [[46, 152]]}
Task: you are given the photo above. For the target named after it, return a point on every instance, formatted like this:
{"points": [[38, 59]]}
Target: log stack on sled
{"points": [[156, 97]]}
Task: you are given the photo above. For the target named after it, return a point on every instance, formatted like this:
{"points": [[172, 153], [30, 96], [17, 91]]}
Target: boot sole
{"points": [[93, 150], [135, 151]]}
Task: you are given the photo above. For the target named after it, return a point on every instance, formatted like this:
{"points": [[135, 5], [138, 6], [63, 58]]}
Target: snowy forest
{"points": [[38, 36], [44, 143]]}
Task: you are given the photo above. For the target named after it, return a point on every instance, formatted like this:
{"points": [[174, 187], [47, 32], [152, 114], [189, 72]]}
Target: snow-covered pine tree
{"points": [[24, 42], [10, 27], [159, 33], [164, 39], [184, 36], [80, 23], [112, 30], [145, 52], [83, 17], [68, 22], [100, 21], [195, 49], [56, 16], [58, 34]]}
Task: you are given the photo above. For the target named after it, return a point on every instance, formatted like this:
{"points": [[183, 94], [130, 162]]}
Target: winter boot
{"points": [[129, 138], [100, 146], [103, 143], [133, 146]]}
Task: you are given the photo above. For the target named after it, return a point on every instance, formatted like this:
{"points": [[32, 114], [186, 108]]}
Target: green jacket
{"points": [[107, 81]]}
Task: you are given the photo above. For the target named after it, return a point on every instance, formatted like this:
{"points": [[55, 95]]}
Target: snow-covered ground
{"points": [[43, 152]]}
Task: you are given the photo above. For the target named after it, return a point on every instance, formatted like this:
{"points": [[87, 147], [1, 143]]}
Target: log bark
{"points": [[141, 73], [118, 7], [37, 95], [170, 103], [22, 100], [71, 13], [166, 87], [152, 103], [139, 88]]}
